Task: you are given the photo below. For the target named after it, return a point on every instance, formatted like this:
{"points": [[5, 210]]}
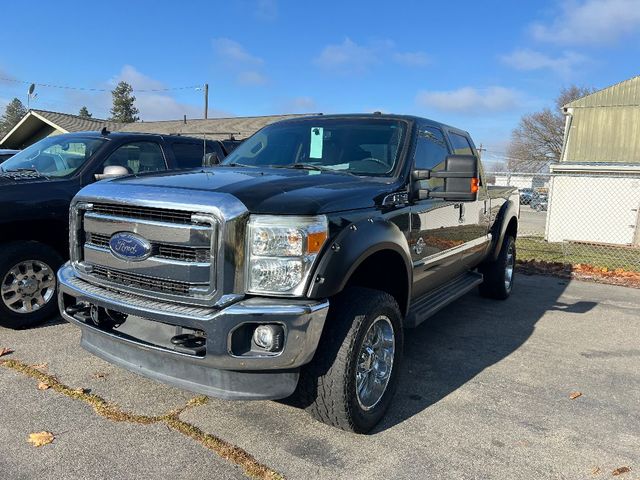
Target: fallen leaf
{"points": [[100, 375], [41, 438], [5, 351], [41, 366], [574, 395], [43, 386], [595, 470], [81, 390], [621, 470]]}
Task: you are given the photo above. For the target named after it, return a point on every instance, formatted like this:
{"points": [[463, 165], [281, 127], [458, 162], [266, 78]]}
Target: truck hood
{"points": [[277, 190]]}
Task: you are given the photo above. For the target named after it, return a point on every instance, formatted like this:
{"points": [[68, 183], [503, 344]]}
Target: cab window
{"points": [[431, 152], [138, 157]]}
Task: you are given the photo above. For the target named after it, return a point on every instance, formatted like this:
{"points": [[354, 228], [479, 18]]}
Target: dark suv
{"points": [[36, 188]]}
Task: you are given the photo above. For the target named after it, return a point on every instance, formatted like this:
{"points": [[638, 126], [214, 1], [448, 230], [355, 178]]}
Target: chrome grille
{"points": [[144, 213], [180, 266], [141, 281], [161, 250]]}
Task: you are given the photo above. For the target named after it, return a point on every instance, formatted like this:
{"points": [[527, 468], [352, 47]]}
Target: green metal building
{"points": [[604, 126]]}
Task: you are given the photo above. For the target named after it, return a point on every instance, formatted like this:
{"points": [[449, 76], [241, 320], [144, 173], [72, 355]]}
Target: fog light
{"points": [[269, 337]]}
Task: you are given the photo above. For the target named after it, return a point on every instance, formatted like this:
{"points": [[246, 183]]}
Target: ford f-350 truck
{"points": [[293, 268]]}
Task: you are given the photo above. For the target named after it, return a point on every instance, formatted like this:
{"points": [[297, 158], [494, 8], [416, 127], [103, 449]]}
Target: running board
{"points": [[439, 298]]}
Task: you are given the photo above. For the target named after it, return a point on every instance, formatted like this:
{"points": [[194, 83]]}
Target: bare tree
{"points": [[537, 140]]}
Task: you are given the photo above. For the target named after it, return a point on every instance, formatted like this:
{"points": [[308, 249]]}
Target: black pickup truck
{"points": [[291, 269], [36, 188]]}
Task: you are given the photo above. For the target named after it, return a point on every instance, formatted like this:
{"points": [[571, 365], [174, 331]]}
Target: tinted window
{"points": [[189, 155], [358, 146], [431, 148], [460, 144], [138, 157]]}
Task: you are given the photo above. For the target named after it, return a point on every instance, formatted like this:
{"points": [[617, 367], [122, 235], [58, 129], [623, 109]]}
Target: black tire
{"points": [[16, 253], [327, 386], [496, 283]]}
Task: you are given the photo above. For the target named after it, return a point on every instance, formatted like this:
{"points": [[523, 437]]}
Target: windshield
{"points": [[356, 146], [57, 156]]}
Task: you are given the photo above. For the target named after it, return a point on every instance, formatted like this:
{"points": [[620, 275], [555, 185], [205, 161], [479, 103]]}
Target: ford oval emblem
{"points": [[129, 246]]}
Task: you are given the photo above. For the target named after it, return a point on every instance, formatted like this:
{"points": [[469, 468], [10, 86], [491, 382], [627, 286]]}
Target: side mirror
{"points": [[461, 179], [211, 159], [112, 171]]}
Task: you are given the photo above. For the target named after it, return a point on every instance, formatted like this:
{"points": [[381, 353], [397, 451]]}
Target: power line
{"points": [[86, 89]]}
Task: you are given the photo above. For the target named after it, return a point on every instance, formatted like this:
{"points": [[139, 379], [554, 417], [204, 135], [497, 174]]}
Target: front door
{"points": [[474, 216], [437, 233]]}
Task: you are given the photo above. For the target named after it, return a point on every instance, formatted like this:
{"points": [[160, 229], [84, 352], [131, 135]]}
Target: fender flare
{"points": [[350, 248], [508, 211]]}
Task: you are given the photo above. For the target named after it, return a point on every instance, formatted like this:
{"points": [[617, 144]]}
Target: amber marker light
{"points": [[475, 182], [315, 240]]}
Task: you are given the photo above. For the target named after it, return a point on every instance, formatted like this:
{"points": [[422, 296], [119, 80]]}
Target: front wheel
{"points": [[352, 379], [28, 284]]}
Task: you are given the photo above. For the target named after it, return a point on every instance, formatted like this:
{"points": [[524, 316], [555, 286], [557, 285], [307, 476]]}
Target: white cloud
{"points": [[527, 60], [155, 105], [240, 62], [470, 99], [234, 52], [251, 77], [303, 104], [346, 57], [412, 59], [266, 9], [591, 22], [350, 57]]}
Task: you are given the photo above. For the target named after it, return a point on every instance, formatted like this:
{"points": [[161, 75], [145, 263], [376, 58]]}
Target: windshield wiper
{"points": [[311, 166], [26, 170]]}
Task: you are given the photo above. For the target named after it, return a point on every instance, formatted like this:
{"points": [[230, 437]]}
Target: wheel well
{"points": [[52, 233], [512, 228], [385, 271]]}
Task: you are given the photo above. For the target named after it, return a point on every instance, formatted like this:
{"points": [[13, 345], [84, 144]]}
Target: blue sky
{"points": [[476, 65]]}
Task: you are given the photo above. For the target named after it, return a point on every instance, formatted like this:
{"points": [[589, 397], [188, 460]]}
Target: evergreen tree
{"points": [[123, 109], [84, 113], [12, 115]]}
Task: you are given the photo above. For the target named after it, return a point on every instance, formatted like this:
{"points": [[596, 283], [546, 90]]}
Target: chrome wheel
{"points": [[510, 265], [375, 362], [28, 286]]}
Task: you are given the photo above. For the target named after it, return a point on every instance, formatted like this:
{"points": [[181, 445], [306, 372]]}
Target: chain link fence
{"points": [[579, 214]]}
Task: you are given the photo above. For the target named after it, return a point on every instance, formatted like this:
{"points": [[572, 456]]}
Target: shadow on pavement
{"points": [[465, 338]]}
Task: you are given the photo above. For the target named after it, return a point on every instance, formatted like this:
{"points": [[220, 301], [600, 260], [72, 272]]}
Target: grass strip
{"points": [[111, 411]]}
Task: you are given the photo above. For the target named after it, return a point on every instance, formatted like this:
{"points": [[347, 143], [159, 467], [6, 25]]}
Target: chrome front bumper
{"points": [[218, 371]]}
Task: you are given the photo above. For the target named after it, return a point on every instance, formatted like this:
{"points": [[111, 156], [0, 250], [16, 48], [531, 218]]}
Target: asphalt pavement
{"points": [[484, 393]]}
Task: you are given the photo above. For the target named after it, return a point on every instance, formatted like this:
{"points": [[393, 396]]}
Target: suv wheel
{"points": [[27, 284], [498, 275], [352, 379]]}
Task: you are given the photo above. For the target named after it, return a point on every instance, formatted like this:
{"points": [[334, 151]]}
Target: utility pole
{"points": [[206, 100], [480, 150]]}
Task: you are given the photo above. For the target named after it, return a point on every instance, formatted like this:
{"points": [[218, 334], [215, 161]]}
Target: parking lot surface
{"points": [[532, 223], [484, 393]]}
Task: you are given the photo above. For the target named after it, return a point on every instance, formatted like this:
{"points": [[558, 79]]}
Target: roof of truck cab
{"points": [[389, 116], [94, 134]]}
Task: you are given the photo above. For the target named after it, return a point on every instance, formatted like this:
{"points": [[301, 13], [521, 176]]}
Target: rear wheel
{"points": [[498, 275], [352, 379], [27, 284]]}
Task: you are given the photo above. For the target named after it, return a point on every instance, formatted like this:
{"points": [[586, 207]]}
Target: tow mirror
{"points": [[211, 159], [112, 171], [460, 176]]}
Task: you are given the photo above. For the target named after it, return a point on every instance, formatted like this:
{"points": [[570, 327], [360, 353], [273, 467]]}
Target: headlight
{"points": [[281, 252]]}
